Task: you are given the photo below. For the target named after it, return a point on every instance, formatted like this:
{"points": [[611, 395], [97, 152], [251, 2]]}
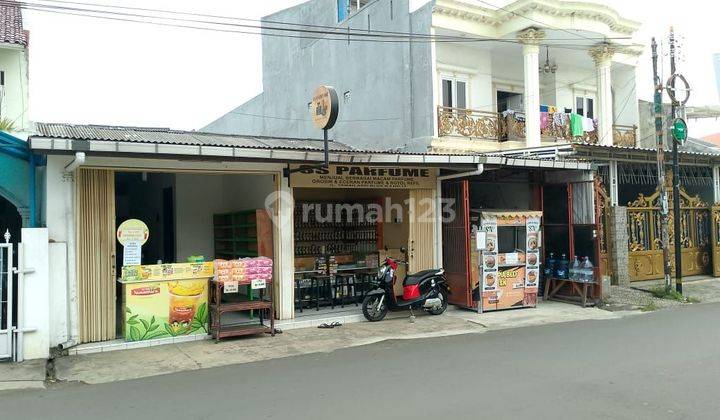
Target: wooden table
{"points": [[578, 289]]}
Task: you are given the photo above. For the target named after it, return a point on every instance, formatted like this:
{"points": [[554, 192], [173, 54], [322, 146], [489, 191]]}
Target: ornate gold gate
{"points": [[716, 239], [602, 221], [646, 255]]}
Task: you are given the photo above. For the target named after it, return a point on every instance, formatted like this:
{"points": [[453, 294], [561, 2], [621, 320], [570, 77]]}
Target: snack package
{"points": [[222, 264]]}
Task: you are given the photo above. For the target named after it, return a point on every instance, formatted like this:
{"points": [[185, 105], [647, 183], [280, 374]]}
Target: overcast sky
{"points": [[85, 70]]}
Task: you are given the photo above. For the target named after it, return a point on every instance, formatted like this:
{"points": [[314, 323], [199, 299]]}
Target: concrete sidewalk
{"points": [[25, 375], [151, 361]]}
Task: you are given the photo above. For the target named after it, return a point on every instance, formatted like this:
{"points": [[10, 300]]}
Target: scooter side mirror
{"points": [[403, 249]]}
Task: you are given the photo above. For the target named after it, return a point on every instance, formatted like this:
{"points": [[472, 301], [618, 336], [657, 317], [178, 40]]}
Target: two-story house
{"points": [[18, 173], [453, 75], [542, 78]]}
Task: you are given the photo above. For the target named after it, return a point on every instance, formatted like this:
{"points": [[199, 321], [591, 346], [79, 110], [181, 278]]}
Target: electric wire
{"points": [[332, 29], [344, 34]]}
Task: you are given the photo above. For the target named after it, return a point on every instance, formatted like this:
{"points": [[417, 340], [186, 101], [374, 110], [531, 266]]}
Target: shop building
{"points": [[513, 218], [200, 195], [628, 207]]}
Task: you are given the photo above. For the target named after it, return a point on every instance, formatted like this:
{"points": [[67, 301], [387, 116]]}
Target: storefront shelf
{"points": [[239, 225], [249, 240], [235, 254], [240, 330], [241, 306]]}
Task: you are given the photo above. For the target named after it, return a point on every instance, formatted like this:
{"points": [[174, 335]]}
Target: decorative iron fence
{"points": [[470, 123], [625, 135], [645, 246]]}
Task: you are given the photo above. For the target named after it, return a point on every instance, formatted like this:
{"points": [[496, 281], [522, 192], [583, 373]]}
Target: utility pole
{"points": [[676, 174], [664, 217]]}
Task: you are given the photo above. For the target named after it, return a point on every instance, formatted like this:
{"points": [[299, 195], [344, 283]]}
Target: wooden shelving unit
{"points": [[240, 234], [263, 306], [246, 233]]}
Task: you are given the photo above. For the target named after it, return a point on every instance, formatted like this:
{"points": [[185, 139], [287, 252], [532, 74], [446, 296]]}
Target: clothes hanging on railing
{"points": [[588, 124], [544, 120], [576, 125], [559, 119]]}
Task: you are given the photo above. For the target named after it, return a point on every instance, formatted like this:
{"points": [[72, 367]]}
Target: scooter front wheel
{"points": [[374, 308]]}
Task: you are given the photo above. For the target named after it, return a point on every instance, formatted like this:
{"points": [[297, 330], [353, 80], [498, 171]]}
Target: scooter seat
{"points": [[418, 277]]}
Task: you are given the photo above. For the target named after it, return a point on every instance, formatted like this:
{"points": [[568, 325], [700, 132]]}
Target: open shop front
{"points": [[170, 255], [516, 235], [347, 220]]}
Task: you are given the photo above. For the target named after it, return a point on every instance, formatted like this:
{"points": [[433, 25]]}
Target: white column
{"points": [[602, 54], [284, 250], [613, 172], [530, 38]]}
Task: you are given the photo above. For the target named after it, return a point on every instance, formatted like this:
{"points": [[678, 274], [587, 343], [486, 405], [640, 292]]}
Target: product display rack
{"points": [[246, 233], [235, 302], [351, 235]]}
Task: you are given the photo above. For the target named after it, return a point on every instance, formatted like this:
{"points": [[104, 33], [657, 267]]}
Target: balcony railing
{"points": [[470, 123], [625, 135], [487, 125]]}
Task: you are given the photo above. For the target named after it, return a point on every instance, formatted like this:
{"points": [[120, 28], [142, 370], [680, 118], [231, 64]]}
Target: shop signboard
{"points": [[362, 176], [165, 300], [132, 235], [133, 230]]}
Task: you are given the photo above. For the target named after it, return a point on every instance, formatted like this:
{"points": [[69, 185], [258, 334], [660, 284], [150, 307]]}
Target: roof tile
{"points": [[11, 24]]}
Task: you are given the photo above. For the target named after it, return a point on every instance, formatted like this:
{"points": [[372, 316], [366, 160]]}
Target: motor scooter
{"points": [[427, 290]]}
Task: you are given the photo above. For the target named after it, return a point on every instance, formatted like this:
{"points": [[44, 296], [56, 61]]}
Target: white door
{"points": [[6, 298]]}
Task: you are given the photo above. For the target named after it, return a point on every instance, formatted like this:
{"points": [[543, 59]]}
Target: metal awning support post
{"points": [[716, 183], [439, 208], [613, 173]]}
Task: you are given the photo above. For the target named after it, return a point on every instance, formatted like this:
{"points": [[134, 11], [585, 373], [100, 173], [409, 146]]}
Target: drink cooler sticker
{"points": [[489, 273], [532, 260]]}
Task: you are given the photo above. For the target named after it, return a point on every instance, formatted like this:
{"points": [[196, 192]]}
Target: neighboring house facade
{"points": [[19, 173], [482, 85], [13, 67]]}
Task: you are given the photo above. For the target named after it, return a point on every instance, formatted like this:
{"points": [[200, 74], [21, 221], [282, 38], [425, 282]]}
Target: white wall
{"points": [[199, 196], [60, 220], [571, 82], [13, 61], [59, 319], [34, 295], [473, 64], [625, 103]]}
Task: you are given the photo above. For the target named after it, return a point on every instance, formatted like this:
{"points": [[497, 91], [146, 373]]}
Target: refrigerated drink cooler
{"points": [[505, 259]]}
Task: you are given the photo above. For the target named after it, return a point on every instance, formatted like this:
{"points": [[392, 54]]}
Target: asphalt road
{"points": [[661, 365]]}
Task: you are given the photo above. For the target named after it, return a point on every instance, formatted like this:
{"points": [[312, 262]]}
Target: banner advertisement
{"points": [[165, 300]]}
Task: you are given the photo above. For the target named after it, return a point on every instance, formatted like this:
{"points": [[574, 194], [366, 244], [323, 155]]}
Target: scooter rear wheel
{"points": [[370, 308], [439, 310]]}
